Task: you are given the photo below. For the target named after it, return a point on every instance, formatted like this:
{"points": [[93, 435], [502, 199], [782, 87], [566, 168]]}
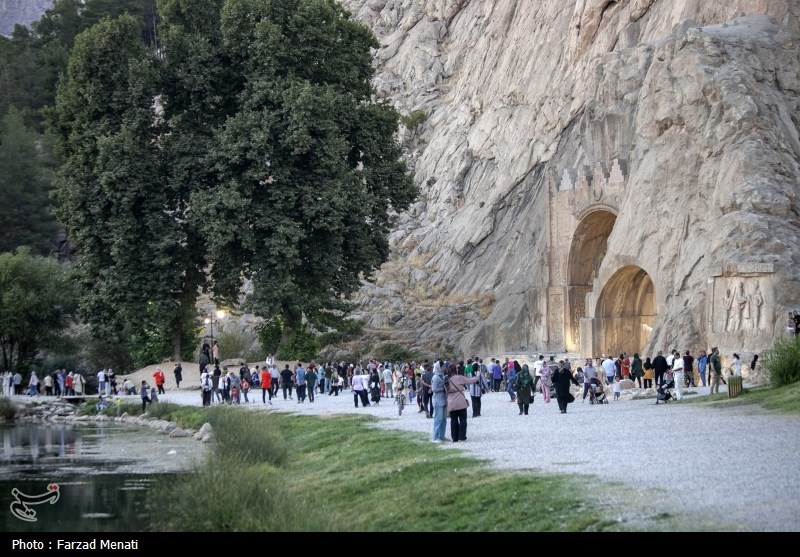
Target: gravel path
{"points": [[675, 466]]}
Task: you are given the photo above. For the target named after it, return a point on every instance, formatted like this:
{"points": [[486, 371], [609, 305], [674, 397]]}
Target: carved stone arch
{"points": [[625, 312], [583, 212], [587, 250]]}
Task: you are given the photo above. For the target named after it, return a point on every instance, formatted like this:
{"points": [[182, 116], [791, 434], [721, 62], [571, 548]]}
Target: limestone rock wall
{"points": [[697, 99], [21, 12]]}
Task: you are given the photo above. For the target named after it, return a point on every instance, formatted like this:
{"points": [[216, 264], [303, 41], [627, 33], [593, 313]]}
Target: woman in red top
{"points": [[158, 377], [266, 385]]}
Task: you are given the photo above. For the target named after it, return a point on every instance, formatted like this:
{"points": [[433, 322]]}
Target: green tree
{"points": [[248, 148], [37, 301], [194, 79], [109, 188], [307, 168], [25, 172]]}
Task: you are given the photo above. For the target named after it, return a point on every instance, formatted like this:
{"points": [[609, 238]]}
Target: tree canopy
{"points": [[248, 146], [37, 300], [25, 170], [307, 167]]}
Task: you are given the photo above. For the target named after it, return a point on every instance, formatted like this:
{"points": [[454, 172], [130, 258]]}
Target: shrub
{"points": [[238, 344], [269, 335], [782, 361], [7, 409], [303, 346], [390, 352], [114, 355], [414, 119]]}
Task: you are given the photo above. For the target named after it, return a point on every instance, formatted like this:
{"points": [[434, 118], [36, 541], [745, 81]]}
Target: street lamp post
{"points": [[210, 322]]}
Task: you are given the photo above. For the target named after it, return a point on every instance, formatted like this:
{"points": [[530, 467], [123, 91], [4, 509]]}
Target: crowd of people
{"points": [[441, 389]]}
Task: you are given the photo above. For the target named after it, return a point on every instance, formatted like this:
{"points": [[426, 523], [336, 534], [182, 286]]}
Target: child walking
{"points": [[617, 387]]}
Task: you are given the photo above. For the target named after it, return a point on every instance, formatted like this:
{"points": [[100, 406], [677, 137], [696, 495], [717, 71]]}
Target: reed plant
{"points": [[7, 409]]}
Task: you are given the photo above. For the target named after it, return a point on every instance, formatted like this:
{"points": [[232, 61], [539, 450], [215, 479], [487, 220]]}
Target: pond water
{"points": [[103, 475]]}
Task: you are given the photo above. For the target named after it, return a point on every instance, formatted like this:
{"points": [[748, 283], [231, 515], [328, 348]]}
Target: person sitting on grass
{"points": [[101, 404]]}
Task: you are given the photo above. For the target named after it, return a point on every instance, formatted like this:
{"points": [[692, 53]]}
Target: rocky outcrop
{"points": [[22, 12], [522, 240]]}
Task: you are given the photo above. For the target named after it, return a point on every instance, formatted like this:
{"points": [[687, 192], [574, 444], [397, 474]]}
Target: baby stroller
{"points": [[597, 394], [664, 393]]}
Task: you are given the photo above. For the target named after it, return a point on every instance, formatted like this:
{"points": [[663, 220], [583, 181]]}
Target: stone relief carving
{"points": [[557, 320], [741, 306], [577, 312]]}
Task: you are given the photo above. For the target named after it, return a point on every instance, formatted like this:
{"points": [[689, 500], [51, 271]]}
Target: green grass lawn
{"points": [[281, 472]]}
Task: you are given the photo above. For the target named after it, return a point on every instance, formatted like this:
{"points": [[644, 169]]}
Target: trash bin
{"points": [[734, 386]]}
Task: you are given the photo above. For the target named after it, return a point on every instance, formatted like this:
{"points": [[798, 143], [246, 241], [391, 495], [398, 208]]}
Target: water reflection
{"points": [[106, 503], [102, 474], [50, 446]]}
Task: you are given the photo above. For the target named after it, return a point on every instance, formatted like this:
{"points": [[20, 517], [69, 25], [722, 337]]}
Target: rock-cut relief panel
{"points": [[740, 306]]}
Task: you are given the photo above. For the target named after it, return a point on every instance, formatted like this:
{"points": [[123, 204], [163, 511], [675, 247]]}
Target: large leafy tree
{"points": [[37, 300], [109, 187], [307, 167], [25, 171], [247, 147]]}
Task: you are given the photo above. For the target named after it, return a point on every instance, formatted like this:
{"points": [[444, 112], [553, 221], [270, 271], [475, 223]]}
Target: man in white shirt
{"points": [[275, 378], [388, 381], [359, 389], [101, 382], [610, 369], [677, 374]]}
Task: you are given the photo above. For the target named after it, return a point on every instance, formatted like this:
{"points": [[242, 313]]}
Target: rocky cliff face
{"points": [[596, 176], [23, 12]]}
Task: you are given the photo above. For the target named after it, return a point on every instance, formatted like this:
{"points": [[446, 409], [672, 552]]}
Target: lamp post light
{"points": [[210, 322]]}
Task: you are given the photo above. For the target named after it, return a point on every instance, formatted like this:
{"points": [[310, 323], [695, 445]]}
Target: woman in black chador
{"points": [[562, 379]]}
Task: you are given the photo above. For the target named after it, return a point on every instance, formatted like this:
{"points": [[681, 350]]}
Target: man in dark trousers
{"points": [[660, 366], [688, 369]]}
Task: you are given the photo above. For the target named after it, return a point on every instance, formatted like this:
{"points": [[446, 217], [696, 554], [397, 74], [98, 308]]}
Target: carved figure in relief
{"points": [[741, 306], [558, 320], [727, 305], [757, 300]]}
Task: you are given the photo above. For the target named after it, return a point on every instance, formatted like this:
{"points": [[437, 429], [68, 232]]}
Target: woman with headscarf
{"points": [[375, 386], [562, 379], [523, 385], [636, 369], [457, 402], [439, 399]]}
